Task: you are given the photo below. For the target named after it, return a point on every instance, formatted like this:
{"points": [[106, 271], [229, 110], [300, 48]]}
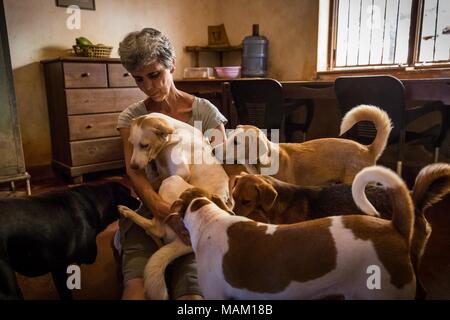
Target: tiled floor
{"points": [[99, 280]]}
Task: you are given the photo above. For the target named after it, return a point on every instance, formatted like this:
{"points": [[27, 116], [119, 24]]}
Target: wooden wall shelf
{"points": [[218, 49]]}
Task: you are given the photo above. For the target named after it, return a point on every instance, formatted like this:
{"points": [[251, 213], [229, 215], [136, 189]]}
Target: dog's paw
{"points": [[123, 210]]}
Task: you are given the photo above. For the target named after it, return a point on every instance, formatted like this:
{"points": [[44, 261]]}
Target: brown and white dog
{"points": [[315, 162], [266, 199], [238, 258]]}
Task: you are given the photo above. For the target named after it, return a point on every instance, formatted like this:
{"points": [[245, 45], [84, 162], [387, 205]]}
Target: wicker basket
{"points": [[92, 51]]}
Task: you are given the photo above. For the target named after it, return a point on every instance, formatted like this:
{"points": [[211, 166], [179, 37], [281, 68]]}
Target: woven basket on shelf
{"points": [[92, 51]]}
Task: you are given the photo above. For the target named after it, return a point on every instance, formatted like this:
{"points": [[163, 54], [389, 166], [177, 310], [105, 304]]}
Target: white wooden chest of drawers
{"points": [[85, 97]]}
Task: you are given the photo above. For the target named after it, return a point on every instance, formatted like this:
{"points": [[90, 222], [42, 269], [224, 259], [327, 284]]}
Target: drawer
{"points": [[93, 126], [82, 101], [94, 151], [118, 76], [85, 75]]}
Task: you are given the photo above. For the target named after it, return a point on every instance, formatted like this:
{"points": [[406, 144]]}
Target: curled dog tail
{"points": [[154, 272], [402, 205], [379, 118], [432, 184]]}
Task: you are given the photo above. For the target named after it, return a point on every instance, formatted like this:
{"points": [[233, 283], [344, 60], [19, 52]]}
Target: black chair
{"points": [[388, 93], [259, 102]]}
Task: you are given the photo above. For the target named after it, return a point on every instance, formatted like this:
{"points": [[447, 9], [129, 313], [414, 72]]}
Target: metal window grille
{"points": [[372, 32], [435, 34]]}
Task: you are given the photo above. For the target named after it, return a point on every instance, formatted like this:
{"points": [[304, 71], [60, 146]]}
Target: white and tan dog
{"points": [[171, 247], [177, 148], [183, 159], [315, 162], [354, 257]]}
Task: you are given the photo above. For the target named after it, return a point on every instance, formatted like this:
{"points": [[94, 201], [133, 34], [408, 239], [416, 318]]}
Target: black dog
{"points": [[49, 232]]}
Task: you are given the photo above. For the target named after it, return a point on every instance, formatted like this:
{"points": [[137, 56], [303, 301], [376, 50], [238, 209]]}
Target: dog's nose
{"points": [[134, 166]]}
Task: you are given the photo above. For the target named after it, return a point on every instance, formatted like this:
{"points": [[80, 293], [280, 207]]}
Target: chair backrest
{"points": [[385, 92], [258, 102]]}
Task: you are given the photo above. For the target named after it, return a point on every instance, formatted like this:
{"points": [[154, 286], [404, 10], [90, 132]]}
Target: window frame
{"points": [[415, 32]]}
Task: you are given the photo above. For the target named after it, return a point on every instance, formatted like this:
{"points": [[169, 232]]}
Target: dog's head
{"points": [[149, 135], [253, 196], [196, 197], [106, 197], [245, 145]]}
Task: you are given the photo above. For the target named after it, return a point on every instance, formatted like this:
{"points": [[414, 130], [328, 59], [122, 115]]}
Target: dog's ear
{"points": [[219, 202], [234, 180], [230, 203], [178, 207], [158, 126], [267, 195], [162, 129]]}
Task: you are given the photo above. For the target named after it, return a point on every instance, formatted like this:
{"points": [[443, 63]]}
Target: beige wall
{"points": [[290, 25], [37, 30]]}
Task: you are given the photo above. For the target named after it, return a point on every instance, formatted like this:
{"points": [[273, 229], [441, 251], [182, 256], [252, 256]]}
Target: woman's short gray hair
{"points": [[141, 48]]}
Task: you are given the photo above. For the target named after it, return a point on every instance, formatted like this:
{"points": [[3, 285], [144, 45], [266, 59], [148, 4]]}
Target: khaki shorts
{"points": [[137, 248]]}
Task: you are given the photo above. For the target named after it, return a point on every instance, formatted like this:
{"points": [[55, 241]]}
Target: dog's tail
{"points": [[432, 184], [402, 205], [154, 272], [381, 121]]}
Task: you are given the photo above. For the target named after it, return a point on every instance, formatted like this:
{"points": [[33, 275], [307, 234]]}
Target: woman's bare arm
{"points": [[220, 135]]}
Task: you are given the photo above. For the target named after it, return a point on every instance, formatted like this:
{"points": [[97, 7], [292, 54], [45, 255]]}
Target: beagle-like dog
{"points": [[315, 162], [266, 199], [269, 200], [354, 256]]}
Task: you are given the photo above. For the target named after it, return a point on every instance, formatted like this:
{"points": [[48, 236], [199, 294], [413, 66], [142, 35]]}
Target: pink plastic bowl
{"points": [[228, 72]]}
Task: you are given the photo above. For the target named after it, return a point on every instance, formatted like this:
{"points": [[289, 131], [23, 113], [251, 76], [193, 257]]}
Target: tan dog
{"points": [[238, 258], [315, 162], [176, 148], [182, 157], [266, 199]]}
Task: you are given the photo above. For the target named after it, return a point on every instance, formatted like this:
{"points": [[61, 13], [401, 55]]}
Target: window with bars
{"points": [[378, 32], [435, 35]]}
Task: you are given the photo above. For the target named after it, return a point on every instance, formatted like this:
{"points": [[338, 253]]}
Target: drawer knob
{"points": [[89, 126], [92, 150], [85, 75], [126, 74]]}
